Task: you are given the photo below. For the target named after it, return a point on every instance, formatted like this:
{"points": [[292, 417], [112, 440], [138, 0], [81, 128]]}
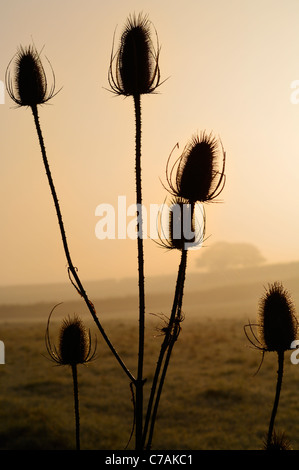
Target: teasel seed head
{"points": [[186, 225], [181, 220], [279, 442], [134, 69], [277, 321], [198, 178], [28, 86], [74, 345]]}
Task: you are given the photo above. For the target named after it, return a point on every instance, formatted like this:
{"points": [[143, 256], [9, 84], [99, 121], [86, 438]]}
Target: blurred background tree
{"points": [[225, 255]]}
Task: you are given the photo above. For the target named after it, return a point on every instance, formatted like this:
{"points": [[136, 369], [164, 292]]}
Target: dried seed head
{"points": [[73, 342], [74, 346], [278, 442], [29, 85], [197, 177], [181, 224], [186, 225], [136, 61], [277, 320]]}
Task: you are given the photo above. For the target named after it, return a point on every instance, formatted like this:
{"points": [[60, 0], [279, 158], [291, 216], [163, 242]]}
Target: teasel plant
{"points": [[197, 176], [194, 179], [28, 86], [74, 348], [276, 330], [279, 441], [134, 71]]}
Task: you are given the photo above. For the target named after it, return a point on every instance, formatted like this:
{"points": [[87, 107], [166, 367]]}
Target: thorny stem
{"points": [[72, 269], [162, 380], [76, 405], [169, 340], [139, 382], [277, 395]]}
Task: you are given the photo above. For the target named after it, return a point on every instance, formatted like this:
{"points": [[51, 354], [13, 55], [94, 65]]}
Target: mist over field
{"points": [[224, 292], [192, 299], [212, 371]]}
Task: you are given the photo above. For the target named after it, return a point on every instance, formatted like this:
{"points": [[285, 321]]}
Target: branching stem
{"points": [[167, 344], [71, 267]]}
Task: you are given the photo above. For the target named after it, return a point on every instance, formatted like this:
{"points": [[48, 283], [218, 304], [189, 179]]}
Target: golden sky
{"points": [[229, 67]]}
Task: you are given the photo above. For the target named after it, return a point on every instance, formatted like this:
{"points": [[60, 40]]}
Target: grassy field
{"points": [[212, 399]]}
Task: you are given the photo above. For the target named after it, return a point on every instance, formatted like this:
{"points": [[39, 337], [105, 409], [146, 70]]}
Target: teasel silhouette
{"points": [[277, 329], [27, 86], [279, 441], [134, 71], [179, 219], [134, 68], [74, 348], [196, 180], [196, 175], [185, 229]]}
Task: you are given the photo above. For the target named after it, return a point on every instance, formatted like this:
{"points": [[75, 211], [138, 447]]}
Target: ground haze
{"points": [[212, 399]]}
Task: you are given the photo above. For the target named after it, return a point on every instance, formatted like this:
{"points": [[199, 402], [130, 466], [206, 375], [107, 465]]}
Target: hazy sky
{"points": [[230, 65]]}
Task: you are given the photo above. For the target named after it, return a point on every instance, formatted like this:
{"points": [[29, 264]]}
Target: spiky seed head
{"points": [[73, 341], [28, 87], [136, 61], [181, 224], [186, 225], [198, 178], [277, 320], [279, 441], [74, 345]]}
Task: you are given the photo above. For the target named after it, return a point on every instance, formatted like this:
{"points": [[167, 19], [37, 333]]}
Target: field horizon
{"points": [[221, 293], [212, 399]]}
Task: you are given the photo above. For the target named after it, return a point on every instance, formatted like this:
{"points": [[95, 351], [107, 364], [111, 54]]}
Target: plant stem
{"points": [[161, 383], [72, 269], [139, 381], [277, 395], [76, 405], [167, 343]]}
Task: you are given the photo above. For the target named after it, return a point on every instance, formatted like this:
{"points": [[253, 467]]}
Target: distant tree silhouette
{"points": [[225, 255]]}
